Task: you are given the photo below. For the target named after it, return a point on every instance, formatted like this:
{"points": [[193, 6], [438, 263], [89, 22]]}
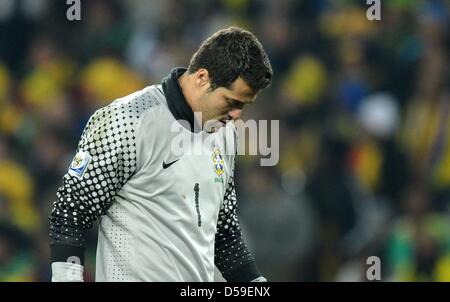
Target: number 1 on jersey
{"points": [[197, 205]]}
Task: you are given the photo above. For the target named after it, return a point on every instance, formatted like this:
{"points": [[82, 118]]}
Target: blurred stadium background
{"points": [[364, 125]]}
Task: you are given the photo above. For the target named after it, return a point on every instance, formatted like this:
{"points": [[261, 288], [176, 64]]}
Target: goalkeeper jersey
{"points": [[163, 215]]}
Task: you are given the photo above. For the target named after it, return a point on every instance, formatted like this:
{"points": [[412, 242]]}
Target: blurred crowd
{"points": [[363, 107]]}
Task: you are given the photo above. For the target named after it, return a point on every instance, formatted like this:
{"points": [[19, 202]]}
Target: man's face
{"points": [[224, 104]]}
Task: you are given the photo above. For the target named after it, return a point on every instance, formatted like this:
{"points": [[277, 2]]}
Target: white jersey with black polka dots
{"points": [[162, 216]]}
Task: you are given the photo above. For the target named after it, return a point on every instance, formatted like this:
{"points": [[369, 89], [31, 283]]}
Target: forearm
{"points": [[66, 248], [233, 258]]}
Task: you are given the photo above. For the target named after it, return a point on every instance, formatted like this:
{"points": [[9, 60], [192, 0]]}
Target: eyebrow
{"points": [[244, 102]]}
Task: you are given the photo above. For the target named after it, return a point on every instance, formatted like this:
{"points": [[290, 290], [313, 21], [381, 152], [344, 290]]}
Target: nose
{"points": [[235, 113]]}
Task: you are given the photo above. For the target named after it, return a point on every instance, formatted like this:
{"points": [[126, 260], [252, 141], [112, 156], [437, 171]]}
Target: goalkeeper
{"points": [[163, 216]]}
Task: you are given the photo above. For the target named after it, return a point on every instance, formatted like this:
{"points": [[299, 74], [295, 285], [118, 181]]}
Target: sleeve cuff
{"points": [[245, 273], [67, 253]]}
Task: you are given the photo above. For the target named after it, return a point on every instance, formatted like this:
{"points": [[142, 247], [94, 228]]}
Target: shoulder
{"points": [[138, 102], [128, 109]]}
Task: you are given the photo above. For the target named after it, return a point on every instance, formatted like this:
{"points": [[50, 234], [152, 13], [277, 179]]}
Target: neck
{"points": [[185, 87]]}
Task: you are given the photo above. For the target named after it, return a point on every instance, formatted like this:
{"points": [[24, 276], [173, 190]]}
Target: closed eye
{"points": [[235, 103]]}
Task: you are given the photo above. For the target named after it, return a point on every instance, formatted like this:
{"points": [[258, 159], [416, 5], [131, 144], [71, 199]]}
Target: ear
{"points": [[202, 78]]}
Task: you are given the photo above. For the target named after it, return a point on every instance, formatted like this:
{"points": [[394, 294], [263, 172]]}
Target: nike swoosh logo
{"points": [[165, 166]]}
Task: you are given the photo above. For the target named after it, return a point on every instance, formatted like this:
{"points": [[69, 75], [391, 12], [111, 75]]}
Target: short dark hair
{"points": [[231, 53]]}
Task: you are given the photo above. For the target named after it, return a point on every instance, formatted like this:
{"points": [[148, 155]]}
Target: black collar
{"points": [[175, 99]]}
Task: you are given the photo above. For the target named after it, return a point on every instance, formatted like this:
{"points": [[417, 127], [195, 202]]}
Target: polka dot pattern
{"points": [[118, 255], [110, 139], [231, 252]]}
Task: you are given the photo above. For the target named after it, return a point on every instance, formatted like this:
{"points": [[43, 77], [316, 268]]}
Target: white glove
{"points": [[259, 279], [67, 272]]}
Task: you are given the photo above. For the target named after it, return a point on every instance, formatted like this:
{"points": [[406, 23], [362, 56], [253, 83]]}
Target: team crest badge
{"points": [[79, 164], [219, 164]]}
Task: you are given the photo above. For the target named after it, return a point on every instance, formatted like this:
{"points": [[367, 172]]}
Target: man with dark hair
{"points": [[233, 53], [164, 216]]}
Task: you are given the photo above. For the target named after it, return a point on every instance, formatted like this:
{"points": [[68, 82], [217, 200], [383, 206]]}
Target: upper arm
{"points": [[105, 160]]}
